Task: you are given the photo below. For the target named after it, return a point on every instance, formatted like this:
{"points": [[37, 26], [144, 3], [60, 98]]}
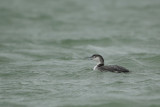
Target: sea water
{"points": [[43, 45]]}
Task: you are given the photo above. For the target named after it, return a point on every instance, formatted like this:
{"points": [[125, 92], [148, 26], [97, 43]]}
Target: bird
{"points": [[108, 68]]}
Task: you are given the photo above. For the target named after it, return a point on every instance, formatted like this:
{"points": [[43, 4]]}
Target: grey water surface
{"points": [[43, 45]]}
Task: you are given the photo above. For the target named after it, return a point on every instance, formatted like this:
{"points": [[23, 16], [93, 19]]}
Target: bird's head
{"points": [[98, 58]]}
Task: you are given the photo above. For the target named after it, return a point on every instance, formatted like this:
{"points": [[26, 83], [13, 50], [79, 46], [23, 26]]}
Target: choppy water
{"points": [[43, 44]]}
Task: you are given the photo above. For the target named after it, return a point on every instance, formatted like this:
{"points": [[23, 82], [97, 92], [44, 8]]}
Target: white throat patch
{"points": [[95, 67]]}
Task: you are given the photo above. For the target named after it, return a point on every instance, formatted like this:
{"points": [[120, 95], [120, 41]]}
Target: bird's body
{"points": [[108, 68], [112, 68]]}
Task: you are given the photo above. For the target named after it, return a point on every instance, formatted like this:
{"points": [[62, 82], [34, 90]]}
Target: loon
{"points": [[108, 68]]}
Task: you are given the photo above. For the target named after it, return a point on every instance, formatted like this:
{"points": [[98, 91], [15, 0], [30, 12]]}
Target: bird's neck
{"points": [[100, 61], [98, 65]]}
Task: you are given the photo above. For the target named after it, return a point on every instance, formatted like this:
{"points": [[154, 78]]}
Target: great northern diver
{"points": [[111, 68]]}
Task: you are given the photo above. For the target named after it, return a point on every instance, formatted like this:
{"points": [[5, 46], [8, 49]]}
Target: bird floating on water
{"points": [[108, 68]]}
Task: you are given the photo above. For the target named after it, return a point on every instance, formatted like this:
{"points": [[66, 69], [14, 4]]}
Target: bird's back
{"points": [[113, 68]]}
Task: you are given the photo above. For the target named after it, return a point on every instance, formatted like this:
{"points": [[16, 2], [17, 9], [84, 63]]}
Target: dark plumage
{"points": [[111, 68]]}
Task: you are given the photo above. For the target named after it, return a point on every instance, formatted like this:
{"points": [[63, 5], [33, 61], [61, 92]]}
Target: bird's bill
{"points": [[89, 58]]}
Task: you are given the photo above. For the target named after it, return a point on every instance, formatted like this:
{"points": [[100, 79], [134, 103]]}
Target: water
{"points": [[43, 44]]}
